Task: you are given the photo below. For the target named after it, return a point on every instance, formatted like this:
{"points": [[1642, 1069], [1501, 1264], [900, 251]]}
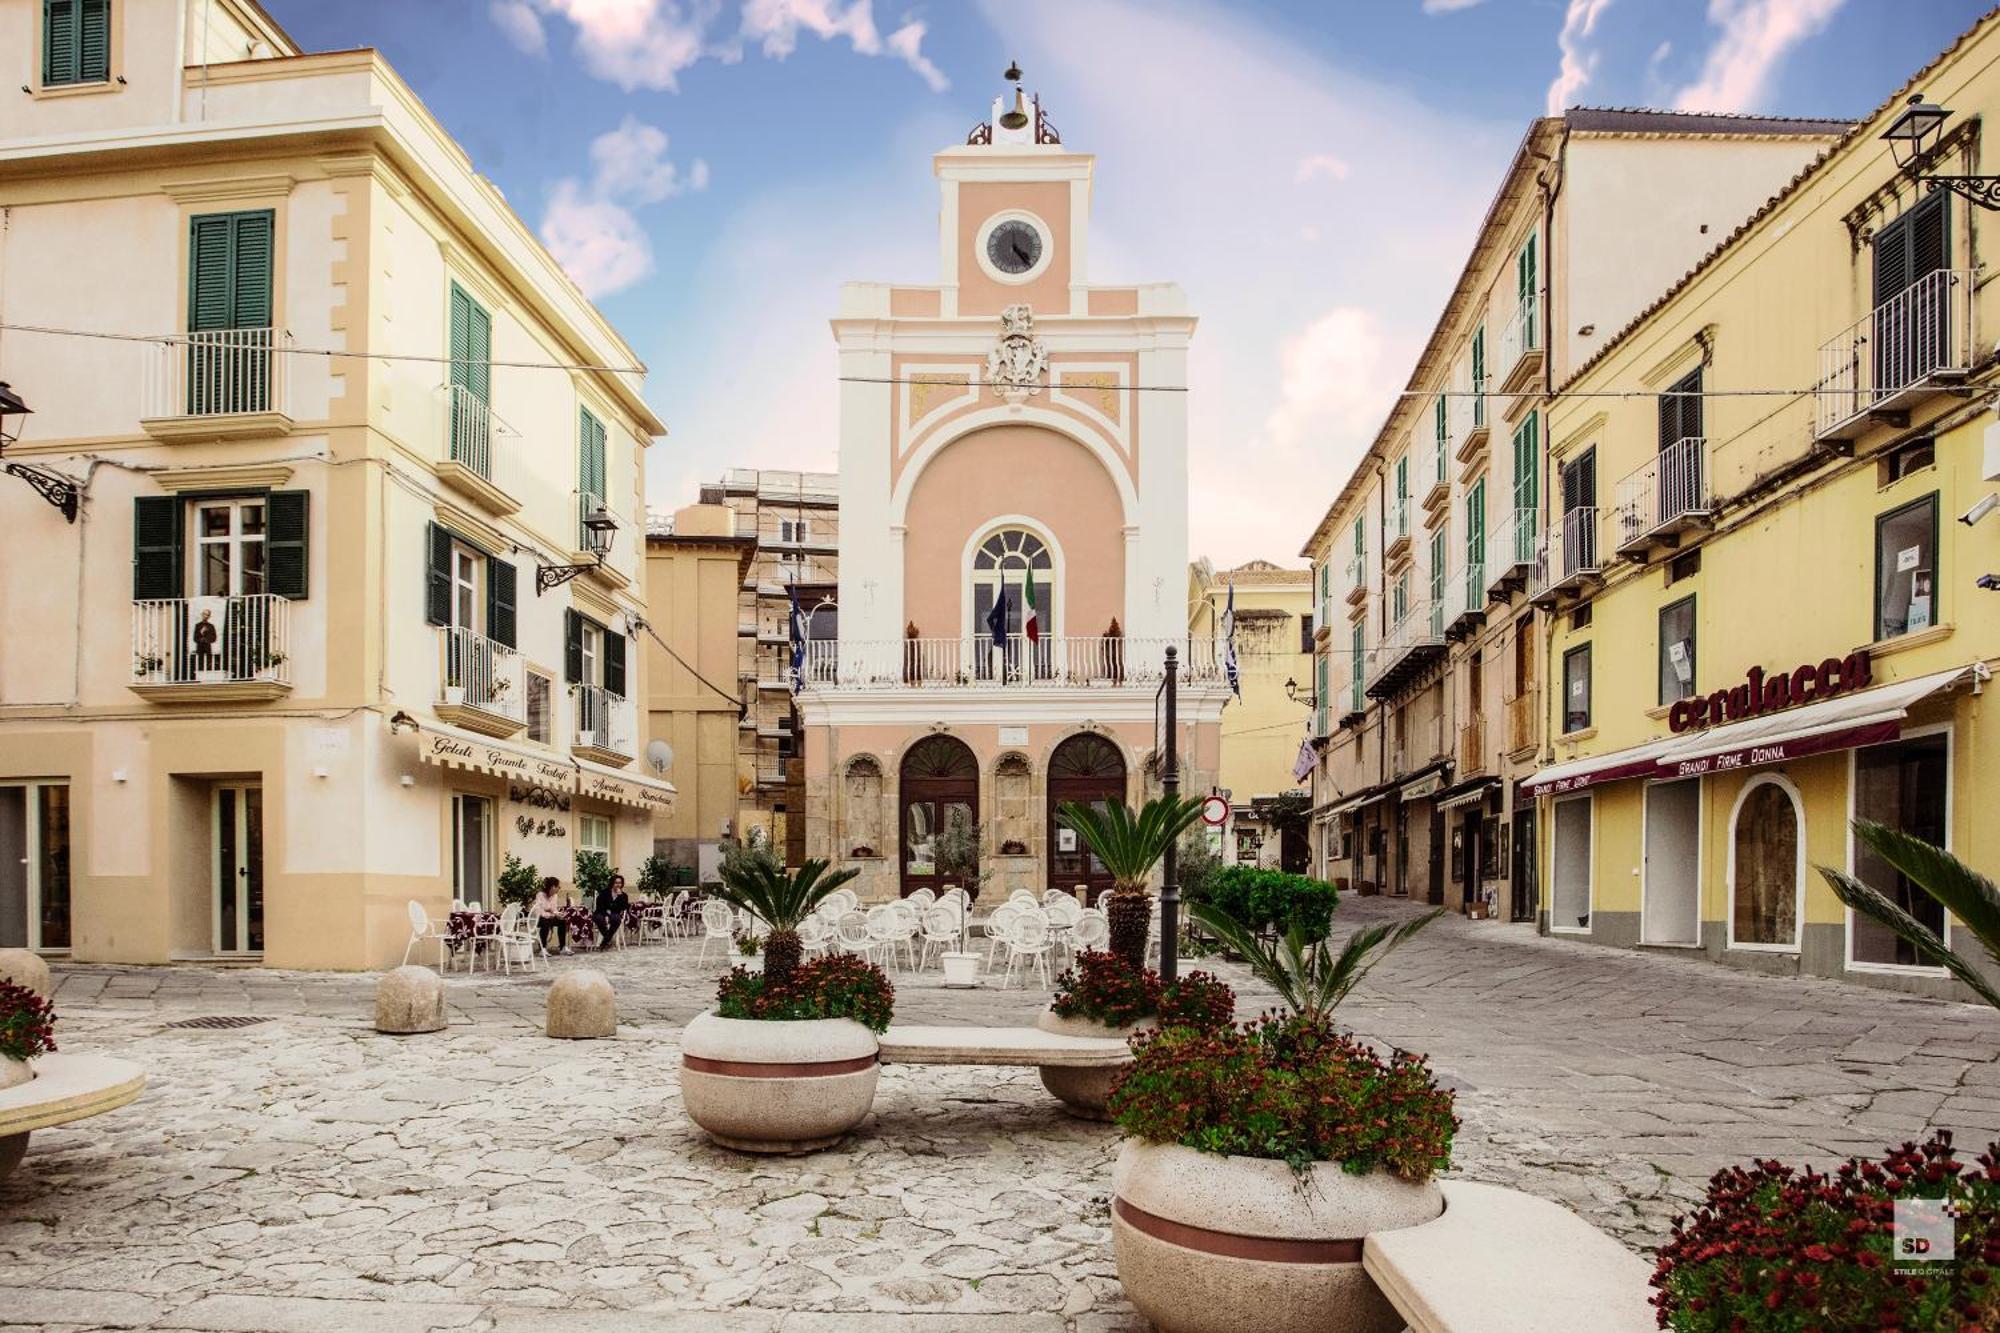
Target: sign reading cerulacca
{"points": [[1760, 693]]}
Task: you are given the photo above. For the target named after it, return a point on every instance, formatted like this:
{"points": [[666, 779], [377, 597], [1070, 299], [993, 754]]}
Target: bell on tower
{"points": [[1022, 122]]}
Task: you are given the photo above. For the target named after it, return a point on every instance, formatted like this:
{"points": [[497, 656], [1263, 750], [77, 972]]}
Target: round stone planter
{"points": [[1211, 1244], [13, 1147], [1085, 1093], [778, 1087]]}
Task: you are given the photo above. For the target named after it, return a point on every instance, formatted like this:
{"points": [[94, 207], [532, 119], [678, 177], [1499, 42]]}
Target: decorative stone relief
{"points": [[1018, 362], [863, 800], [1013, 805]]}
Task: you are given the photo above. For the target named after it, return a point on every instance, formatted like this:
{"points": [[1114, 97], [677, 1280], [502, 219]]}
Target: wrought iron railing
{"points": [[1419, 628], [469, 431], [478, 672], [1579, 543], [1520, 335], [219, 372], [977, 662], [1669, 488], [1510, 547], [212, 640], [1922, 333], [603, 720]]}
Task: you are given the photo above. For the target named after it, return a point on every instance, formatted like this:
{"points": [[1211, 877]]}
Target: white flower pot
{"points": [[13, 1073], [520, 951], [784, 1086], [454, 695], [961, 969]]}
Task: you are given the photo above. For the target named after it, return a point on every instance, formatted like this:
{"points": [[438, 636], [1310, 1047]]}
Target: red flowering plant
{"points": [[838, 985], [1787, 1251], [1291, 1088], [1105, 988], [1198, 1000], [27, 1023]]}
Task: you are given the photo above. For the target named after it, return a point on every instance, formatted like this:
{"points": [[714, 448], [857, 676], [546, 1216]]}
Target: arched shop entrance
{"points": [[1088, 769], [940, 792]]}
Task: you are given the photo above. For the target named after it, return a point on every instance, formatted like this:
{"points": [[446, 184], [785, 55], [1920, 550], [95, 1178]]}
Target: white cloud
{"points": [[591, 228], [1447, 6], [1578, 62], [1319, 164], [1755, 37], [1335, 378], [907, 43], [521, 24], [631, 163]]}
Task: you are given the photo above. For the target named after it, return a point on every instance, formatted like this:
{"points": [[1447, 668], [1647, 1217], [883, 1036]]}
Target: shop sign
{"points": [[464, 752], [605, 787], [1760, 694]]}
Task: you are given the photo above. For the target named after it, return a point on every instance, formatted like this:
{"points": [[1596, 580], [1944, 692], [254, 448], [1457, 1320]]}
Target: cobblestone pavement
{"points": [[306, 1173]]}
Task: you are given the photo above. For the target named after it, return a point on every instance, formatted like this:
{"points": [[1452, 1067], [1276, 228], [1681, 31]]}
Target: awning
{"points": [[1846, 722], [1424, 784], [1478, 791], [610, 784], [449, 747], [1576, 774], [1359, 799]]}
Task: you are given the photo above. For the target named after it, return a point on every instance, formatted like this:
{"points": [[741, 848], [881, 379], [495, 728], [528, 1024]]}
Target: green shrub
{"points": [[837, 985], [1271, 900], [1104, 988], [656, 875], [593, 872], [519, 882]]}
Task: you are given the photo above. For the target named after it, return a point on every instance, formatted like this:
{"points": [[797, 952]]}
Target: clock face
{"points": [[1014, 246]]}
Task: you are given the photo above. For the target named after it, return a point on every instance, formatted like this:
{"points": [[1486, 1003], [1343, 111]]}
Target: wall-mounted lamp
{"points": [[407, 781], [117, 775], [1914, 138]]}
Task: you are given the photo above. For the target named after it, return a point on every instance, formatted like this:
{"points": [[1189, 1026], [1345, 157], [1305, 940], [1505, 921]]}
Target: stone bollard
{"points": [[581, 1005], [25, 968], [410, 999]]}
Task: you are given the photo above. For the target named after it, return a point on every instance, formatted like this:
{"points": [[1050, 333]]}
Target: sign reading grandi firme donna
{"points": [[1760, 693]]}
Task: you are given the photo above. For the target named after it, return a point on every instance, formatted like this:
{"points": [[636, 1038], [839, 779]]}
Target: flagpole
{"points": [[1170, 884]]}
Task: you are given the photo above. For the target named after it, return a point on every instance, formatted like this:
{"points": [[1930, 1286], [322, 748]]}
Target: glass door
{"points": [[239, 869], [471, 849]]}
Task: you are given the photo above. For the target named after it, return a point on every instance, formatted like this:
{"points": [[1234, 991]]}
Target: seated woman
{"points": [[547, 910], [612, 905]]}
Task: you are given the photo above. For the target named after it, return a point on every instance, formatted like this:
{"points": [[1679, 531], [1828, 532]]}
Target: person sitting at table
{"points": [[547, 909], [612, 905]]}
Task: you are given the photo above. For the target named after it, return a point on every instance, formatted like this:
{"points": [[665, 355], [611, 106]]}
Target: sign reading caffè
{"points": [[1762, 693]]}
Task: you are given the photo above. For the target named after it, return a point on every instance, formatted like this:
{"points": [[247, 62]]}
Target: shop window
{"points": [[1765, 842], [1904, 785], [1677, 651], [471, 848], [541, 724], [1905, 565], [593, 834], [1576, 689]]}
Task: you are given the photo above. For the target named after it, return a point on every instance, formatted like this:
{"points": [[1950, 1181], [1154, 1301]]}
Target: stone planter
{"points": [[1210, 1244], [13, 1073], [778, 1087], [1084, 1093], [13, 1147]]}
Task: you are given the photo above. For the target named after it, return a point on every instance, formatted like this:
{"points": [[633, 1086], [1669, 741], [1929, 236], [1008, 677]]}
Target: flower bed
{"points": [[837, 985], [1103, 988]]}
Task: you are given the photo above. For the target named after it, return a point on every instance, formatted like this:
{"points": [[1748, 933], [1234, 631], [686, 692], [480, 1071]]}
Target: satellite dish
{"points": [[660, 755]]}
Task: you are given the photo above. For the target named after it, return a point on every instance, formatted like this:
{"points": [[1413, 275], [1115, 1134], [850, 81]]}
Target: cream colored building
{"points": [[304, 658], [1264, 723], [1429, 650]]}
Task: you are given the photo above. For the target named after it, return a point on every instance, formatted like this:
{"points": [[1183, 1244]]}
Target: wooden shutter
{"points": [[250, 299], [1475, 524], [1527, 462], [573, 648], [211, 273], [1930, 235], [1479, 357], [156, 547], [59, 42], [1524, 272], [461, 335], [500, 602], [471, 329], [94, 41], [614, 663], [286, 515], [437, 577]]}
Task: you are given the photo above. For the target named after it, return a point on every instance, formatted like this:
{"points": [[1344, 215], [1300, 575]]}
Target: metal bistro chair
{"points": [[884, 932], [940, 935], [717, 923], [815, 936], [997, 924], [1092, 930], [854, 935], [1028, 943], [422, 929]]}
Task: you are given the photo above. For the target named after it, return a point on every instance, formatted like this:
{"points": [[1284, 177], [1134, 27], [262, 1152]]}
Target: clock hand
{"points": [[1020, 254]]}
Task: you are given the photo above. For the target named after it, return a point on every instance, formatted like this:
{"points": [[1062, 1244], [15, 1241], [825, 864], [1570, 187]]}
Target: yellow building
{"points": [[1262, 727], [332, 633], [1768, 616], [696, 562]]}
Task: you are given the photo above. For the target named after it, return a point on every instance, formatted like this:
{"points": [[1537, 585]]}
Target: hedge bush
{"points": [[1271, 900]]}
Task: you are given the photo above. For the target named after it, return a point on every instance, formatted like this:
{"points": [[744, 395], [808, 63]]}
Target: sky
{"points": [[1311, 171]]}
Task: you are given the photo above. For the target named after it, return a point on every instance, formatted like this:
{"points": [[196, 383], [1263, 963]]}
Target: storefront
{"points": [[1707, 838]]}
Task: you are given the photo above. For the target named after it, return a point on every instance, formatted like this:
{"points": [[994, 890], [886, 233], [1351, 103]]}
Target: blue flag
{"points": [[798, 643], [996, 620]]}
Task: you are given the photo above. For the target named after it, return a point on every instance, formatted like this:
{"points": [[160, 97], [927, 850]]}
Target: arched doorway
{"points": [[1088, 769], [940, 793]]}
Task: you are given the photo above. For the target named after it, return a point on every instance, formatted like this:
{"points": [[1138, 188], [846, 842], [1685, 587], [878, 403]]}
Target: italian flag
{"points": [[1031, 622]]}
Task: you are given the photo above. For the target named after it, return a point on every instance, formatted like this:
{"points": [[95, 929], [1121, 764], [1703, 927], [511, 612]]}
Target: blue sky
{"points": [[1311, 170]]}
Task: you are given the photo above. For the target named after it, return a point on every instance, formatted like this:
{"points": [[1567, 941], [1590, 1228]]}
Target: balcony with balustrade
{"points": [[212, 649], [1464, 601], [1569, 568], [1467, 414], [1521, 716], [604, 732], [1917, 344], [1357, 579], [218, 384], [976, 663], [482, 685], [1396, 532], [467, 465], [1510, 553], [1410, 647], [1521, 345], [1663, 499], [1434, 485]]}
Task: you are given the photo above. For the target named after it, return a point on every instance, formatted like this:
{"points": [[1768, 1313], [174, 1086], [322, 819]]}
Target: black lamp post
{"points": [[54, 487], [1292, 693], [598, 529], [1914, 138]]}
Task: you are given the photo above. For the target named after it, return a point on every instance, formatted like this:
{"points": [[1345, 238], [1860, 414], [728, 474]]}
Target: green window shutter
{"points": [[251, 297], [1475, 524], [614, 663], [211, 272], [1479, 357], [1527, 454], [1360, 539], [437, 577], [500, 602], [1439, 425], [59, 42], [93, 55], [572, 648], [1403, 477], [286, 519], [461, 335], [156, 547], [590, 467], [1437, 565], [471, 331]]}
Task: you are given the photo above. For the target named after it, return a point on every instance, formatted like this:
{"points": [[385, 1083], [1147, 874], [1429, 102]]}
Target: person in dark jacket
{"points": [[612, 905]]}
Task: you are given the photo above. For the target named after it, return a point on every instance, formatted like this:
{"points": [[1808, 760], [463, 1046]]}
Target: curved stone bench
{"points": [[1500, 1261], [64, 1088], [1007, 1046]]}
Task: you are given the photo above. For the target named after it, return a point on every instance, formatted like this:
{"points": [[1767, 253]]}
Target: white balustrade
{"points": [[1579, 544], [469, 431], [1520, 335], [1510, 547], [977, 662], [1419, 629], [603, 720], [1664, 493], [219, 372], [212, 640], [478, 672]]}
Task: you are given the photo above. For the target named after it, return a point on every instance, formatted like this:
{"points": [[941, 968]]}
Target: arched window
{"points": [[1766, 846], [1019, 562]]}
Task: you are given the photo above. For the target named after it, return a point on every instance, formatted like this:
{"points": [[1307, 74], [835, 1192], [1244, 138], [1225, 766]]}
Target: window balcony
{"points": [[482, 686], [974, 662], [1396, 531], [1666, 497], [1521, 727], [1353, 702], [1569, 566], [212, 649], [1913, 345], [1322, 619], [1464, 600], [1357, 579], [1521, 345], [467, 465], [1510, 553], [219, 384], [603, 726], [1434, 485], [1410, 647], [1467, 416], [771, 772]]}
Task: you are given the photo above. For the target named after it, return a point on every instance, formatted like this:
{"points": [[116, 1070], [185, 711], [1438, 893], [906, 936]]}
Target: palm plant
{"points": [[1308, 975], [1961, 890], [781, 900], [1129, 847]]}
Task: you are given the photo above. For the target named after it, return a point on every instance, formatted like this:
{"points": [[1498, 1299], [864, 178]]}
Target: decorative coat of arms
{"points": [[1018, 362]]}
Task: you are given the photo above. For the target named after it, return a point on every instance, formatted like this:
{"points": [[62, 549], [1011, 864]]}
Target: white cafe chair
{"points": [[718, 922], [1092, 930], [422, 929], [940, 935], [853, 934], [997, 925], [1028, 945]]}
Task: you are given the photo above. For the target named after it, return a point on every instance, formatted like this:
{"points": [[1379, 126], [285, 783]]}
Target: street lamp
{"points": [[599, 527], [1914, 138], [58, 490], [1292, 693]]}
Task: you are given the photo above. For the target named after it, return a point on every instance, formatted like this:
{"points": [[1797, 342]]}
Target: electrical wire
{"points": [[741, 707], [171, 339]]}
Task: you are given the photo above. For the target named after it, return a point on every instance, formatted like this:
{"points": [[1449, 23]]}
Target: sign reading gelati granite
{"points": [[1760, 694], [439, 747]]}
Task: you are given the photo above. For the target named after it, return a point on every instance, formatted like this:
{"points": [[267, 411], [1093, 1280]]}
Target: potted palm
{"points": [[1258, 1158], [786, 1061], [1129, 846], [1957, 887]]}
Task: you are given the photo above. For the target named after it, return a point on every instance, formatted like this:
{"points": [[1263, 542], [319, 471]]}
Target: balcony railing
{"points": [[1521, 721], [771, 773], [1410, 645], [1472, 747], [479, 673], [603, 721], [219, 373], [1357, 576], [1666, 496], [199, 641], [1917, 339], [1396, 524], [1510, 551], [976, 662], [469, 431], [1579, 544], [1520, 337], [587, 503], [1464, 597]]}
